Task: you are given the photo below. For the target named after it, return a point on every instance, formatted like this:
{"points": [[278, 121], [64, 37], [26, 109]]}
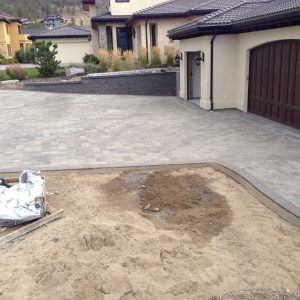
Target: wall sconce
{"points": [[178, 58], [89, 38], [199, 58], [133, 32]]}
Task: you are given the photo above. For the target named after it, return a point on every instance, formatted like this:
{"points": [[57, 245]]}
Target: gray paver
{"points": [[64, 131]]}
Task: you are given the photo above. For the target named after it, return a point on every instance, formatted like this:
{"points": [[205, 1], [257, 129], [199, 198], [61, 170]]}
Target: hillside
{"points": [[38, 9]]}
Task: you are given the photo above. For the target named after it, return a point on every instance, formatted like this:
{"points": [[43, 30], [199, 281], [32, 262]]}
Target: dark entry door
{"points": [[193, 76], [124, 38], [274, 82]]}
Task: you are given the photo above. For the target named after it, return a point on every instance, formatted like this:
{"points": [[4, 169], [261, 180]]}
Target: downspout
{"points": [[147, 46], [212, 73]]}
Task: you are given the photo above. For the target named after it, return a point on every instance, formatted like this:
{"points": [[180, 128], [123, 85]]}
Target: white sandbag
{"points": [[18, 204]]}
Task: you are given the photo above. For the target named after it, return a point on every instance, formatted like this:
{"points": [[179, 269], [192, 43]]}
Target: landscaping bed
{"points": [[178, 232]]}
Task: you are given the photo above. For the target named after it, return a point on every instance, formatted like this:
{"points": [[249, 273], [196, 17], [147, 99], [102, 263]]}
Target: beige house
{"points": [[246, 56], [134, 24], [73, 42], [11, 37]]}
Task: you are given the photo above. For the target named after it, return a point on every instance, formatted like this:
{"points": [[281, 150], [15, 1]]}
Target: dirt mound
{"points": [[181, 199]]}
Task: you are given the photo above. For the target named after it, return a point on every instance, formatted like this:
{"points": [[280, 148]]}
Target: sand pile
{"points": [[210, 237]]}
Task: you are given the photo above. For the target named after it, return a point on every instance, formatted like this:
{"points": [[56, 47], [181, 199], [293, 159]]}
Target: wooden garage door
{"points": [[274, 82]]}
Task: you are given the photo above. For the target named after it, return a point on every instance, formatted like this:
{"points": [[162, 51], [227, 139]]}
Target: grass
{"points": [[31, 73]]}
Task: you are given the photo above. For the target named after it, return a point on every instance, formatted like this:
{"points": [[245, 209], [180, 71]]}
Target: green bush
{"points": [[25, 56], [46, 58], [16, 72], [91, 59], [2, 75], [8, 61], [1, 56], [92, 68]]}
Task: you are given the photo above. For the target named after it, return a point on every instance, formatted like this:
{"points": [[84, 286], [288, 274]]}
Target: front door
{"points": [[124, 38], [193, 70]]}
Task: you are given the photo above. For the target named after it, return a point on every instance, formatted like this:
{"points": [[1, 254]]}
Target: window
{"points": [[21, 46], [109, 36], [124, 38], [9, 49], [153, 33], [19, 29]]}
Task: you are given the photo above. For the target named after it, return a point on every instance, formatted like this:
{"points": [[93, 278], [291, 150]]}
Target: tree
{"points": [[46, 58]]}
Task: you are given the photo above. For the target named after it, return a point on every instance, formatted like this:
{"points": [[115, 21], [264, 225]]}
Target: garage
{"points": [[274, 82], [73, 42]]}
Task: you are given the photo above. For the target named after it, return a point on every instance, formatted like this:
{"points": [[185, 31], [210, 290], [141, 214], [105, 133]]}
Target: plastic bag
{"points": [[18, 203]]}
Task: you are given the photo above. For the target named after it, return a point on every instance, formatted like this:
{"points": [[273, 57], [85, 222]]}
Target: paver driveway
{"points": [[59, 131]]}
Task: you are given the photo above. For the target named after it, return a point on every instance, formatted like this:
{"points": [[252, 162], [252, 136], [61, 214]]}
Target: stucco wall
{"points": [[163, 26], [72, 50], [128, 8], [231, 65]]}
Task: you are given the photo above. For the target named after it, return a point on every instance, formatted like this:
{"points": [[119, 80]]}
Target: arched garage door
{"points": [[274, 82]]}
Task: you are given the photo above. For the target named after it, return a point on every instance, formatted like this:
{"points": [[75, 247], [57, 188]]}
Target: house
{"points": [[108, 21], [73, 42], [245, 56], [51, 22], [11, 37]]}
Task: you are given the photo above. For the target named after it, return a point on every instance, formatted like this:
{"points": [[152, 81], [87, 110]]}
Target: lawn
{"points": [[31, 73]]}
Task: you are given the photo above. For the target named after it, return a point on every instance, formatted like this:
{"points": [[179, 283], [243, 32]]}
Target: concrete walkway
{"points": [[59, 131]]}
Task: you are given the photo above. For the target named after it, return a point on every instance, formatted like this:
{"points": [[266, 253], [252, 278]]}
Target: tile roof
{"points": [[184, 7], [109, 17], [63, 31], [240, 12], [8, 19], [31, 31]]}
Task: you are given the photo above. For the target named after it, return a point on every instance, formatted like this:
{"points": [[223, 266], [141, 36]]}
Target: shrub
{"points": [[16, 72], [143, 57], [104, 62], [1, 56], [92, 68], [2, 75], [170, 51], [25, 56], [155, 57], [91, 59], [8, 61], [116, 56], [129, 60], [46, 58]]}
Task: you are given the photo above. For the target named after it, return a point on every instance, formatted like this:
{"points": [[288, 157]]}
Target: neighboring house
{"points": [[251, 53], [51, 22], [11, 37], [73, 42]]}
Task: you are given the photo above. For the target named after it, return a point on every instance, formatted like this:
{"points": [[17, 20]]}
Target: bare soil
{"points": [[160, 233]]}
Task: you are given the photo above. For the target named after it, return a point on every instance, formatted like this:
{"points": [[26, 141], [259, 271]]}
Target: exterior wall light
{"points": [[178, 58], [199, 58]]}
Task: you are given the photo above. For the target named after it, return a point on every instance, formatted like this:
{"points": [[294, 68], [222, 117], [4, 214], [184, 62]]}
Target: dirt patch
{"points": [[209, 238], [178, 199]]}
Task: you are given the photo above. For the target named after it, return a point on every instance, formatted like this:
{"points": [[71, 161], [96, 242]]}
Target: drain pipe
{"points": [[147, 46], [212, 73]]}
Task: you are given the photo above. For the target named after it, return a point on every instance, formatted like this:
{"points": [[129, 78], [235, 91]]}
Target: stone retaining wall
{"points": [[155, 84]]}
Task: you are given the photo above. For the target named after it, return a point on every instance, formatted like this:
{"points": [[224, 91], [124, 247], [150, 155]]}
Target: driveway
{"points": [[64, 131]]}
